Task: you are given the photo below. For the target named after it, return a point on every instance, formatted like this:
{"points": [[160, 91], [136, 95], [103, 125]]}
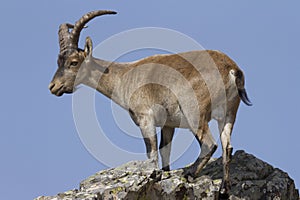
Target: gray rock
{"points": [[251, 179]]}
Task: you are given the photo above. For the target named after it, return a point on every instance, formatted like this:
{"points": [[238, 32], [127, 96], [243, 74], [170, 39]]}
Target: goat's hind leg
{"points": [[226, 131], [208, 147]]}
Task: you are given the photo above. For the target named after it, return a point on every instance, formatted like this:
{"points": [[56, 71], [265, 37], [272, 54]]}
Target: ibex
{"points": [[183, 90]]}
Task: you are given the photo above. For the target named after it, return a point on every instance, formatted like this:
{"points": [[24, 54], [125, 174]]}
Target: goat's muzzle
{"points": [[56, 89]]}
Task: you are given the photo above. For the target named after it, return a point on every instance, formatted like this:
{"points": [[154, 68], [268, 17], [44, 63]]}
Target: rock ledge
{"points": [[251, 179]]}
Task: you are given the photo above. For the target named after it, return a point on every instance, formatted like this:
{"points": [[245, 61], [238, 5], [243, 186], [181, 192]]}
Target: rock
{"points": [[251, 179]]}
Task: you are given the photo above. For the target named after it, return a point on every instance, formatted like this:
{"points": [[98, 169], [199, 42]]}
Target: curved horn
{"points": [[79, 25], [64, 36]]}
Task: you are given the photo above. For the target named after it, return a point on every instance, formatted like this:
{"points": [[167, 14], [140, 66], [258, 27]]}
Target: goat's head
{"points": [[70, 56]]}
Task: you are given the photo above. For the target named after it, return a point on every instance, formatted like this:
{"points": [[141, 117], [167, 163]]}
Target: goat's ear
{"points": [[88, 49]]}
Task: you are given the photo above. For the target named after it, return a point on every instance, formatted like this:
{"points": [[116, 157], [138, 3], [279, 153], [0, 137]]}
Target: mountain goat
{"points": [[184, 90]]}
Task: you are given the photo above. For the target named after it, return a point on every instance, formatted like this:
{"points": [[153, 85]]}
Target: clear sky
{"points": [[41, 151]]}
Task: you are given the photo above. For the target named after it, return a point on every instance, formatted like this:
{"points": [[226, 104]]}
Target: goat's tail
{"points": [[243, 95], [239, 81]]}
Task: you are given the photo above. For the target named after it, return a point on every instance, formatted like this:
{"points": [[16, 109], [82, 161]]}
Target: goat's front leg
{"points": [[226, 156], [148, 130], [167, 134]]}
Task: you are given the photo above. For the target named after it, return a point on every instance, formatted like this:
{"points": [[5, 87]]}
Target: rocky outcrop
{"points": [[251, 178]]}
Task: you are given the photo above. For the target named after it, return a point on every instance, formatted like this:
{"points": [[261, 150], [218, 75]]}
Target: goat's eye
{"points": [[74, 63]]}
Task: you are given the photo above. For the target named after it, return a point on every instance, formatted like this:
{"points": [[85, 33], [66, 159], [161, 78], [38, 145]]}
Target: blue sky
{"points": [[41, 152]]}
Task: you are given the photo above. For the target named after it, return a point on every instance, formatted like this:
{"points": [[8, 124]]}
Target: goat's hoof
{"points": [[187, 172], [223, 194], [189, 175], [167, 168], [224, 190]]}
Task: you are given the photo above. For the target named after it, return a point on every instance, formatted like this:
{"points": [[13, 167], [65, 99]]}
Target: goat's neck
{"points": [[103, 82]]}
